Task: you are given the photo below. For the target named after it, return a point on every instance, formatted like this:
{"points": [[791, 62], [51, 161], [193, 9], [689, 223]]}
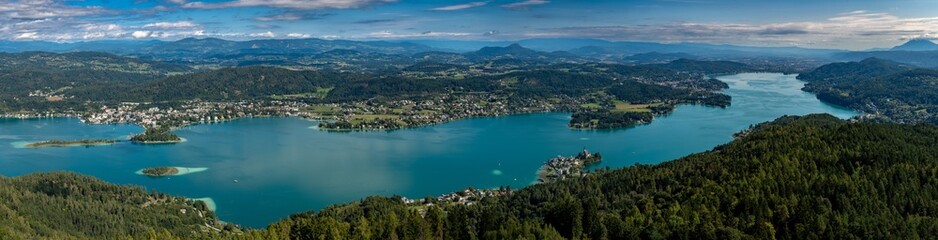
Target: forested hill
{"points": [[85, 61], [41, 80], [707, 67], [888, 90], [813, 177], [70, 206]]}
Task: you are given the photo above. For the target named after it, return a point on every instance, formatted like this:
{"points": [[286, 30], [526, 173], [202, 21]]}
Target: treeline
{"points": [[706, 67], [639, 93], [813, 177], [156, 135], [71, 206]]}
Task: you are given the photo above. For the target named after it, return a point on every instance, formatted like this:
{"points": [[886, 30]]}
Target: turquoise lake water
{"points": [[284, 165]]}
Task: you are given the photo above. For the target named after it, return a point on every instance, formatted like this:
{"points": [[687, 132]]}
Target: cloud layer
{"points": [[460, 6], [852, 27], [293, 4], [74, 20]]}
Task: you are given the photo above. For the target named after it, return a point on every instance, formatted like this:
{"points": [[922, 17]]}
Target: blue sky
{"points": [[845, 24]]}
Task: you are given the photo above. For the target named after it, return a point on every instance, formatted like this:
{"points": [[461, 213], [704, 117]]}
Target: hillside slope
{"points": [[71, 206]]}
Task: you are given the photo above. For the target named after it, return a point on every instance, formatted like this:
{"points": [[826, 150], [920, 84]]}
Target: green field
{"points": [[628, 107], [319, 94]]}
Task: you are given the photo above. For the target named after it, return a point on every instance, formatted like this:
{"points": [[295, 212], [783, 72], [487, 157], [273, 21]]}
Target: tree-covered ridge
{"points": [[247, 83], [813, 177], [707, 67], [88, 61], [397, 98], [70, 206], [40, 81], [886, 90]]}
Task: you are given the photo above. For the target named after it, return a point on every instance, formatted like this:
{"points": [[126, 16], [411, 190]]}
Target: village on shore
{"points": [[555, 169]]}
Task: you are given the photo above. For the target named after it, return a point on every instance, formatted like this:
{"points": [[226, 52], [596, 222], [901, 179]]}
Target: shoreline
{"points": [[181, 140]]}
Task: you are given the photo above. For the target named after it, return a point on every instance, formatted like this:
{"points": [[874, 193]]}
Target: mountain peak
{"points": [[918, 44], [515, 46], [513, 49]]}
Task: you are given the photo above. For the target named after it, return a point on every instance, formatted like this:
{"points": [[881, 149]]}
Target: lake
{"points": [[262, 169]]}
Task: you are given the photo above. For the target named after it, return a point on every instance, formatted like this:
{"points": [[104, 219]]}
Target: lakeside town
{"points": [[359, 115]]}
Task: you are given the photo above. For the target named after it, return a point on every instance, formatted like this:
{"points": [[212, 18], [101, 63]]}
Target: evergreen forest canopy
{"points": [[71, 206]]}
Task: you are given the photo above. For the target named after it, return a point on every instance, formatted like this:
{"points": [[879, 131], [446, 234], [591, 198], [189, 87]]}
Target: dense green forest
{"points": [[812, 177], [888, 90], [156, 135], [71, 206]]}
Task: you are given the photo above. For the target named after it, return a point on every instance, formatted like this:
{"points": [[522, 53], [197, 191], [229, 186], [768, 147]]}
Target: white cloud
{"points": [[172, 25], [393, 35], [852, 30], [298, 35], [293, 4], [291, 16], [27, 35], [267, 34], [525, 4], [460, 6], [42, 9], [141, 34]]}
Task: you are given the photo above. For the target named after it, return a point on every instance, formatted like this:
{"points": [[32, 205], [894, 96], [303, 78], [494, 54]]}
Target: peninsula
{"points": [[560, 167]]}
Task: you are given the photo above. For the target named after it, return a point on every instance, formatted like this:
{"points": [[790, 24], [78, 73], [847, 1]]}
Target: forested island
{"points": [[841, 179], [160, 171], [156, 136], [71, 143]]}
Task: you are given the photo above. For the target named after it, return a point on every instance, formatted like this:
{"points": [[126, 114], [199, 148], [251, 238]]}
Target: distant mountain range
{"points": [[919, 52], [602, 48], [200, 47], [193, 47], [917, 45]]}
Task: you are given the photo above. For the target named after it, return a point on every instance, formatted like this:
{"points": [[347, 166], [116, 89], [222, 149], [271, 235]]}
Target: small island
{"points": [[560, 168], [71, 143], [156, 136], [160, 171]]}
